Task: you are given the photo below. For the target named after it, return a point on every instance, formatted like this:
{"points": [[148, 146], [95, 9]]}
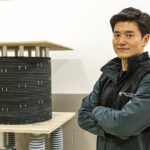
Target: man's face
{"points": [[127, 39]]}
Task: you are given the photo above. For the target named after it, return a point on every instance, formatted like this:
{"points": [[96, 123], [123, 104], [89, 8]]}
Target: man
{"points": [[118, 108]]}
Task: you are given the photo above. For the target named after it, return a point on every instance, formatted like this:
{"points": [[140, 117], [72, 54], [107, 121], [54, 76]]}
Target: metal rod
{"points": [[16, 52], [41, 52], [29, 52], [4, 51], [21, 50], [37, 51], [46, 52]]}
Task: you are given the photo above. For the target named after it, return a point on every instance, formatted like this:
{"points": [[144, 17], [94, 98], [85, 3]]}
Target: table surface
{"points": [[52, 46], [46, 127]]}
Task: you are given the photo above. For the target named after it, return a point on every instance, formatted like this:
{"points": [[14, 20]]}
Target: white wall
{"points": [[80, 24]]}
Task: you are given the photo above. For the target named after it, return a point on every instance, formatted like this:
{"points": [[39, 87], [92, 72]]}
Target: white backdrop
{"points": [[80, 24]]}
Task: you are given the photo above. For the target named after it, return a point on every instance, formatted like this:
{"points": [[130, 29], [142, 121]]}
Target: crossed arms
{"points": [[131, 120]]}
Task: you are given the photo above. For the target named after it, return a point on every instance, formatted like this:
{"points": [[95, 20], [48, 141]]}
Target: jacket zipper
{"points": [[114, 99]]}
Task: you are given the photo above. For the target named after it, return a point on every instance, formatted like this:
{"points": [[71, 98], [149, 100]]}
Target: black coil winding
{"points": [[25, 90]]}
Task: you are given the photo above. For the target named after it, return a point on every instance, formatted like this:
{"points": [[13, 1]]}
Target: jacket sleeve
{"points": [[132, 119], [85, 120]]}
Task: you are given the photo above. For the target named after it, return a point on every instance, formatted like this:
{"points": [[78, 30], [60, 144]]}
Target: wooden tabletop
{"points": [[52, 46], [46, 127]]}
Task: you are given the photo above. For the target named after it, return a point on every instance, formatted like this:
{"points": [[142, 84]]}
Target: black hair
{"points": [[131, 14]]}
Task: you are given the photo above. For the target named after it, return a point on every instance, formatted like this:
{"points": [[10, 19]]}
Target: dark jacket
{"points": [[119, 125]]}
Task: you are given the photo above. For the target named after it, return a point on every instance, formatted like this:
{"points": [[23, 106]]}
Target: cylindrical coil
{"points": [[37, 142], [57, 139], [9, 140]]}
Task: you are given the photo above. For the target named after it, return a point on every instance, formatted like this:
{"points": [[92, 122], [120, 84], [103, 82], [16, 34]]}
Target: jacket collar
{"points": [[113, 68]]}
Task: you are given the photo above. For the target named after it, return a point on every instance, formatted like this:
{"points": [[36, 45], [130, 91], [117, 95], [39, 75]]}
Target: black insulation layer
{"points": [[25, 90]]}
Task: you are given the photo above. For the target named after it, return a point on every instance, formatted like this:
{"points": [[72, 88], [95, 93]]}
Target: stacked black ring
{"points": [[25, 90]]}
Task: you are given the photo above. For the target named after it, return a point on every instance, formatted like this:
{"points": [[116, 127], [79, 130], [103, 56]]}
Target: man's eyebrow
{"points": [[116, 32], [128, 31]]}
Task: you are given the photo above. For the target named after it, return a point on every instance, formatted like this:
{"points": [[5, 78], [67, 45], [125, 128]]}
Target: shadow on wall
{"points": [[69, 76]]}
